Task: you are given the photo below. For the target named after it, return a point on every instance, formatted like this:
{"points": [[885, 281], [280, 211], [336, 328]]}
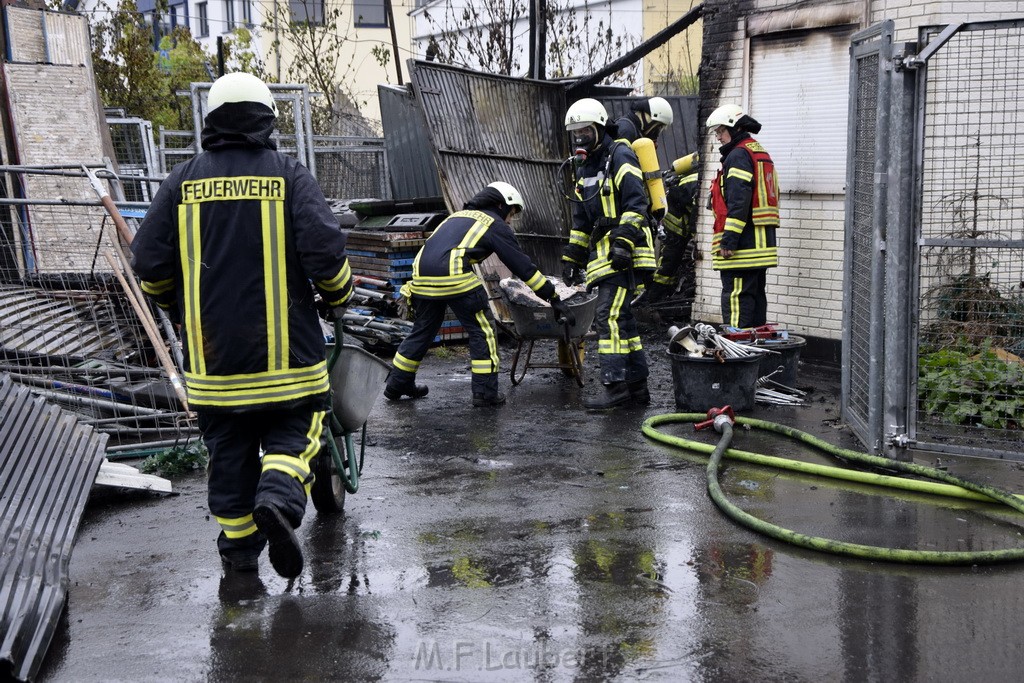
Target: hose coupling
{"points": [[717, 418]]}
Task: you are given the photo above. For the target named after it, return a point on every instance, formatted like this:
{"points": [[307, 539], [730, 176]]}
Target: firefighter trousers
{"points": [[619, 350], [474, 314], [239, 478], [744, 302]]}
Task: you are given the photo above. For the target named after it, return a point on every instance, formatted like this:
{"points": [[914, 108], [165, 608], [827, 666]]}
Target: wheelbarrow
{"points": [[533, 323], [357, 379]]}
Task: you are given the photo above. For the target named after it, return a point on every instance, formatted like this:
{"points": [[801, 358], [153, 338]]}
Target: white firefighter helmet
{"points": [[727, 115], [239, 87], [509, 194], [585, 112], [661, 111]]}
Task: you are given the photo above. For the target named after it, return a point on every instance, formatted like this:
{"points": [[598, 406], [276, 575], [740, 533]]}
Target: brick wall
{"points": [[805, 291], [908, 15]]}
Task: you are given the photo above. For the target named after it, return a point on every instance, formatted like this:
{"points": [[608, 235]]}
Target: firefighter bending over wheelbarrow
{"points": [[443, 277]]}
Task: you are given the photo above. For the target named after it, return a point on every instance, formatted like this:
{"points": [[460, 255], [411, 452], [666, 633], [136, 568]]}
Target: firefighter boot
{"points": [[481, 400], [615, 395], [639, 392], [394, 392], [285, 552]]}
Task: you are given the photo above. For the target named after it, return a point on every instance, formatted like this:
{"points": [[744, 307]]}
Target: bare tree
{"points": [[315, 33], [492, 37]]}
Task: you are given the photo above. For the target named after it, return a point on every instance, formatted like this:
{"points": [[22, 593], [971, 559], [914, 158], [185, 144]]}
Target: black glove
{"points": [[562, 312], [328, 312], [621, 255], [571, 273]]}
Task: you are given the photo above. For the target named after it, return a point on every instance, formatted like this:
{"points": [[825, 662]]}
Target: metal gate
{"points": [[934, 296], [864, 272], [969, 393]]}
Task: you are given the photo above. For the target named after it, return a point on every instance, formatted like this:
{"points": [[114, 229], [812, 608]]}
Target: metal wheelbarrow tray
{"points": [[357, 380], [538, 322]]}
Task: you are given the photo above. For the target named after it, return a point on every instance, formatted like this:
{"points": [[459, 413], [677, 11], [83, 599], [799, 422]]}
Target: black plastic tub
{"points": [[704, 383], [788, 357]]}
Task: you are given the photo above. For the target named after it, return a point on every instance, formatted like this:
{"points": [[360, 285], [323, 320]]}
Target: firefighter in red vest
{"points": [[745, 200]]}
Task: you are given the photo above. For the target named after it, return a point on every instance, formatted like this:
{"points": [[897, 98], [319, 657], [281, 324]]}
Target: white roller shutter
{"points": [[799, 92]]}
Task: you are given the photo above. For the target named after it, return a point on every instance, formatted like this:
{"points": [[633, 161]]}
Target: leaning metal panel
{"points": [[864, 275], [48, 463], [970, 337], [477, 138]]}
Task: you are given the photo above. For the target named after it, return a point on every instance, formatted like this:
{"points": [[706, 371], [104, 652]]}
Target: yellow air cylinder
{"points": [[683, 165], [648, 157]]}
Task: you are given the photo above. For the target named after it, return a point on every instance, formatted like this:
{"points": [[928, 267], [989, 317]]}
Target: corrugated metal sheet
{"points": [[48, 463], [74, 323], [407, 145], [681, 138], [483, 128]]}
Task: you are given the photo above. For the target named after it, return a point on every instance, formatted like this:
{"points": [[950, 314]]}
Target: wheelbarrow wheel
{"points": [[328, 491]]}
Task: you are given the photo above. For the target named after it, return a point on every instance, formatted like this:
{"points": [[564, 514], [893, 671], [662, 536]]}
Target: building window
{"points": [[307, 11], [247, 13], [229, 15], [204, 23], [369, 14]]}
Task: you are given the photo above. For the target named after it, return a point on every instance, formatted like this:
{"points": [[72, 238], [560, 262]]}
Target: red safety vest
{"points": [[756, 249]]}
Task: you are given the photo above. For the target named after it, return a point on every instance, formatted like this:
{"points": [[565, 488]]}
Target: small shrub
{"points": [[973, 390], [178, 460]]}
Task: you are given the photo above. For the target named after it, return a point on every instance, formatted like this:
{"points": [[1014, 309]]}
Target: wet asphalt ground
{"points": [[540, 542]]}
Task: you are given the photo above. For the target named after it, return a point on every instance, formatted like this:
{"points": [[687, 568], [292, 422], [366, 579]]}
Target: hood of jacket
{"points": [[239, 125]]}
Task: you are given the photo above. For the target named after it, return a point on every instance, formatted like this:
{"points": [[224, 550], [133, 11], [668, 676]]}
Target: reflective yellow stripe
{"points": [[747, 258], [406, 364], [237, 527], [614, 343], [633, 344], [191, 267], [339, 281], [468, 283], [741, 174], [256, 380], [482, 367], [288, 464], [157, 287], [663, 279], [492, 342], [579, 238], [734, 302], [469, 240], [536, 281], [734, 224], [275, 284], [673, 224], [625, 170], [261, 388], [313, 434]]}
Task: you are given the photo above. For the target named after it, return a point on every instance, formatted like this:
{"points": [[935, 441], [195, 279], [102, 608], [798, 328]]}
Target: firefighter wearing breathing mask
{"points": [[611, 240]]}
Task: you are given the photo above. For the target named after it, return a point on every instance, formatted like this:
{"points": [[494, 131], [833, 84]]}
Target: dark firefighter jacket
{"points": [[612, 204], [745, 200], [680, 221], [444, 265], [229, 246]]}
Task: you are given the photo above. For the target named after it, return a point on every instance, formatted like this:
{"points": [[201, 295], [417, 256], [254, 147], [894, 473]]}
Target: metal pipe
{"points": [[94, 402], [167, 443]]}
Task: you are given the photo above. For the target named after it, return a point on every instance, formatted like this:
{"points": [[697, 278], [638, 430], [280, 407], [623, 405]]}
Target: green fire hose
{"points": [[953, 486]]}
